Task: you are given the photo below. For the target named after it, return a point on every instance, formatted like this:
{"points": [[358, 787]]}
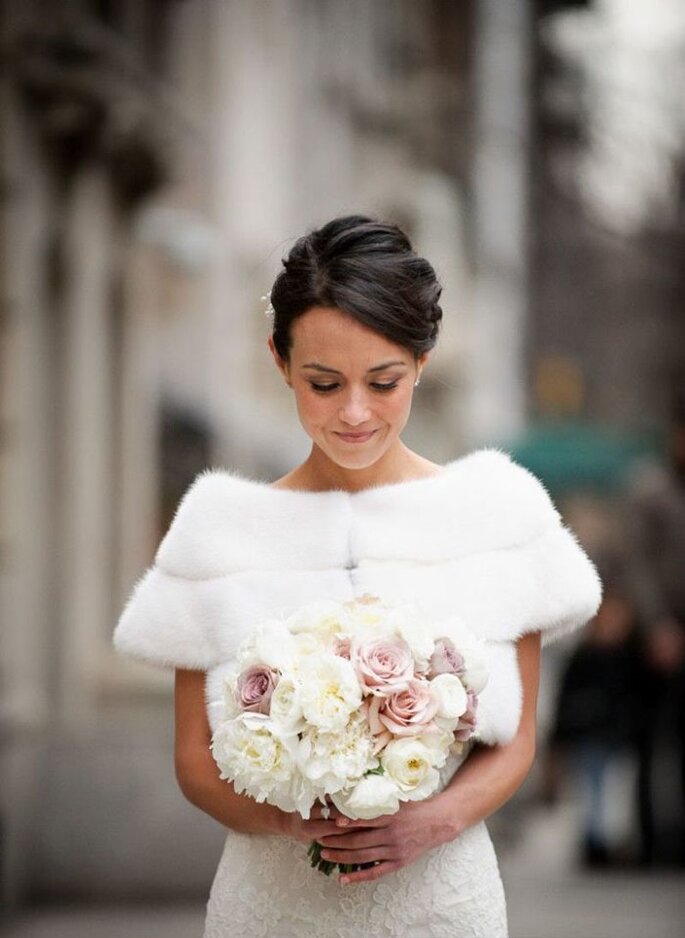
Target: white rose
{"points": [[285, 709], [451, 694], [329, 691], [371, 797], [409, 763], [438, 741]]}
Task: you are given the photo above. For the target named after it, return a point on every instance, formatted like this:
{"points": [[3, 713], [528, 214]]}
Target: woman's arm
{"points": [[198, 774], [488, 778], [492, 774]]}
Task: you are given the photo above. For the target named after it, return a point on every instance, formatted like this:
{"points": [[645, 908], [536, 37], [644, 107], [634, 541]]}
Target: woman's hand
{"points": [[390, 841], [318, 826]]}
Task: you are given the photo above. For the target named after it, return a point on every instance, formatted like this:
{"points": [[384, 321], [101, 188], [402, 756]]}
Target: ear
{"points": [[421, 362], [282, 365]]}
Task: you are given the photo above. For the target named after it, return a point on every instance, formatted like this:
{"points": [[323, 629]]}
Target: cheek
{"points": [[314, 410]]}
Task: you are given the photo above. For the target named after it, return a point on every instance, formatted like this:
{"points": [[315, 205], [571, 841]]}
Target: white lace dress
{"points": [[264, 887], [481, 540]]}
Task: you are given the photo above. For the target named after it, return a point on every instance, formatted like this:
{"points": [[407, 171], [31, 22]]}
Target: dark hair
{"points": [[367, 269]]}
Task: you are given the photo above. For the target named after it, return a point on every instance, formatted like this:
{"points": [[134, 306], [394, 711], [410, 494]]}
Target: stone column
{"points": [[88, 490], [501, 89]]}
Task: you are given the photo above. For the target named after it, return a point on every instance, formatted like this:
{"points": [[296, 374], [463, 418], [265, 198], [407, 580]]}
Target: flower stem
{"points": [[328, 866]]}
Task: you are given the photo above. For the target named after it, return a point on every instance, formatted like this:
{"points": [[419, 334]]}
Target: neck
{"points": [[399, 463]]}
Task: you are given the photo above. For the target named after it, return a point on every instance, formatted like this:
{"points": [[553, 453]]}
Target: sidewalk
{"points": [[548, 897]]}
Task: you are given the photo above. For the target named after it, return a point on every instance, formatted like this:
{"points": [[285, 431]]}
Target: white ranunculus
{"points": [[329, 691], [451, 694], [409, 763], [372, 796]]}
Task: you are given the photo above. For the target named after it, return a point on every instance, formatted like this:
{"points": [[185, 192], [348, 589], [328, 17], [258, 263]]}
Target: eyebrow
{"points": [[319, 367]]}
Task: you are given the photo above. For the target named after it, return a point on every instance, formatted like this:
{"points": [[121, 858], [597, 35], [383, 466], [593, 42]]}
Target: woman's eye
{"points": [[377, 385], [323, 387]]}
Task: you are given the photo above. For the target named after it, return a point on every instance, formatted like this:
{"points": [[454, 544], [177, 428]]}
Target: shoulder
{"points": [[228, 522], [487, 489], [479, 502]]}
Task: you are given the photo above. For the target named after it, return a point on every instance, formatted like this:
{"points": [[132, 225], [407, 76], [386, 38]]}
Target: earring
{"points": [[416, 383]]}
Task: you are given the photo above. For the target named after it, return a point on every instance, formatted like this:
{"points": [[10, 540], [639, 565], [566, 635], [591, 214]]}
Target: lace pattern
{"points": [[264, 887]]}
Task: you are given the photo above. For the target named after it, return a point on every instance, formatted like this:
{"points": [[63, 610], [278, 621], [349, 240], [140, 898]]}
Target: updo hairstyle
{"points": [[367, 269]]}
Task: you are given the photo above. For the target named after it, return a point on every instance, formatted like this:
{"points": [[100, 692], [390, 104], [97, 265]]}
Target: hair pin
{"points": [[269, 311]]}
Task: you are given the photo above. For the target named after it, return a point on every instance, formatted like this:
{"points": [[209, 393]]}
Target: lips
{"points": [[356, 437]]}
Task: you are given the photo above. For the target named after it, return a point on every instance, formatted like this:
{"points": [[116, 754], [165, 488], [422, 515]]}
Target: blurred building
{"points": [[608, 198], [158, 157]]}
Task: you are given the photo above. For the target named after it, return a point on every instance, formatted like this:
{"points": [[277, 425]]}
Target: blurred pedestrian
{"points": [[656, 550], [599, 713]]}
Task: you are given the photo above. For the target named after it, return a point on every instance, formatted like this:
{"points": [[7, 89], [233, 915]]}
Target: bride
{"points": [[355, 314]]}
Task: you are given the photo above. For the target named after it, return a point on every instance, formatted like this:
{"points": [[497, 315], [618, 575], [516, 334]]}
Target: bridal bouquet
{"points": [[360, 701]]}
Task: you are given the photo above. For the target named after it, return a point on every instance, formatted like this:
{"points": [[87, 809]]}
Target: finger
{"points": [[357, 856], [371, 874], [355, 840], [315, 829], [383, 821]]}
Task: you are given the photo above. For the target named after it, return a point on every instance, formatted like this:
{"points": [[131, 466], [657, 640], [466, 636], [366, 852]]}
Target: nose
{"points": [[355, 408]]}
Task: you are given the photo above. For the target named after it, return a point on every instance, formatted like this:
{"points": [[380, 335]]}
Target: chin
{"points": [[367, 456]]}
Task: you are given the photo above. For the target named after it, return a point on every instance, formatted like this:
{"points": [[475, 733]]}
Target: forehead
{"points": [[329, 335]]}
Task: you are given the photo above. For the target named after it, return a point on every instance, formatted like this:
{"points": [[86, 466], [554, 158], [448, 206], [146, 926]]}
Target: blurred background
{"points": [[157, 159]]}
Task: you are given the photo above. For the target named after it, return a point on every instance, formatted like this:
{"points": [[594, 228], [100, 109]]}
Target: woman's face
{"points": [[349, 382]]}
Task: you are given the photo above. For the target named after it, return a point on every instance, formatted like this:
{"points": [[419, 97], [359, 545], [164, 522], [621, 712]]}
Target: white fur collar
{"points": [[480, 540], [480, 502]]}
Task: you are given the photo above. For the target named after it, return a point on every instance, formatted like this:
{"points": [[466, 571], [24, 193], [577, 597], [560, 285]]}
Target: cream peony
{"points": [[252, 752], [328, 691], [330, 760]]}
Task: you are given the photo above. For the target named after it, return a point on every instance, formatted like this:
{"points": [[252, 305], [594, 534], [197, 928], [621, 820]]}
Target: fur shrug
{"points": [[481, 540]]}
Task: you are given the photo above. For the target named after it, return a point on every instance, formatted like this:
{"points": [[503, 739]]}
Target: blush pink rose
{"points": [[255, 687], [383, 665], [467, 721], [446, 659], [406, 713]]}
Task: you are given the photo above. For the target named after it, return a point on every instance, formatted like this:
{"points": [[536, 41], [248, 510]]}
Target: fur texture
{"points": [[481, 540]]}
